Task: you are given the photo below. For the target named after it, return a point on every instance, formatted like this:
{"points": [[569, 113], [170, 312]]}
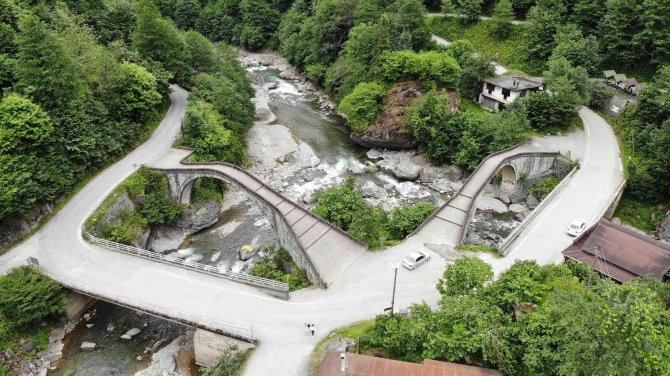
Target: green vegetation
{"points": [[433, 67], [230, 363], [354, 332], [148, 192], [278, 265], [345, 207], [645, 216], [542, 188], [82, 83], [478, 248], [363, 105], [550, 320], [28, 298]]}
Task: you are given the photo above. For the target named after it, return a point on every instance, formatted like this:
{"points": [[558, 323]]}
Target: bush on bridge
{"points": [[278, 265], [406, 219]]}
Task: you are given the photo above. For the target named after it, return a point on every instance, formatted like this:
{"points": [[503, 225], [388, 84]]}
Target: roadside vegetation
{"points": [[541, 188], [278, 265], [345, 207], [551, 320], [354, 332], [230, 363], [27, 300]]}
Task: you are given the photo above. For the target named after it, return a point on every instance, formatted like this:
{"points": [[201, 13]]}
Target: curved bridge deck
{"points": [[329, 249]]}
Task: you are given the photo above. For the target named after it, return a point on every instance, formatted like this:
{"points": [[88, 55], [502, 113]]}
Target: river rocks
{"points": [[663, 232], [532, 202], [374, 154], [518, 208], [372, 190], [303, 157], [407, 170], [520, 217], [166, 238], [131, 333], [357, 168], [453, 173], [199, 216], [487, 203], [444, 185], [88, 346], [163, 361], [411, 191], [429, 174]]}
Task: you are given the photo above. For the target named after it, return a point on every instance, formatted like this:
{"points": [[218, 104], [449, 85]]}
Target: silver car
{"points": [[415, 259], [576, 227]]}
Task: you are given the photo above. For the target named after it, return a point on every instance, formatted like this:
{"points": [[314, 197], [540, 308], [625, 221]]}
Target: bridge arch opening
{"points": [[508, 177], [201, 189]]}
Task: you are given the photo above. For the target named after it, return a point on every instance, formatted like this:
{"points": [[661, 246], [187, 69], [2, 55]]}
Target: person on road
{"points": [[312, 330]]}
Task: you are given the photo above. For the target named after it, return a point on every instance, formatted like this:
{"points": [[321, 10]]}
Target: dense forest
{"points": [[84, 81]]}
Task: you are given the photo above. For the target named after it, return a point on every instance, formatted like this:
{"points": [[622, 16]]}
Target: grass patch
{"points": [[542, 188], [644, 216], [478, 248], [353, 331], [468, 105], [511, 52]]}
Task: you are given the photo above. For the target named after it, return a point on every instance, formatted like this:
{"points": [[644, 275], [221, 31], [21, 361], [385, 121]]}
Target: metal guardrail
{"points": [[239, 332], [265, 283]]}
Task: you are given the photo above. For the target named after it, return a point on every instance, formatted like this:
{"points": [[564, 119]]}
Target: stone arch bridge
{"points": [[321, 249]]}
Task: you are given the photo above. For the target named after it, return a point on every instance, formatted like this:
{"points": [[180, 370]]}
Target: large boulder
{"points": [[532, 202], [372, 190], [121, 204], [453, 173], [444, 185], [518, 208], [407, 170], [663, 232], [303, 157], [429, 174], [488, 203], [374, 154], [199, 216], [88, 346]]}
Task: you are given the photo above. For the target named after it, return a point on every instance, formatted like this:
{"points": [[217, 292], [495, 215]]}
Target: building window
{"points": [[490, 87], [505, 93]]}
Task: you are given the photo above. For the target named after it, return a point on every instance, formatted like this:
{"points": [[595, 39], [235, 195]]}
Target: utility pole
{"points": [[395, 278]]}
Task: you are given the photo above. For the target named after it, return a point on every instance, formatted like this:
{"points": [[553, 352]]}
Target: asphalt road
{"points": [[362, 291]]}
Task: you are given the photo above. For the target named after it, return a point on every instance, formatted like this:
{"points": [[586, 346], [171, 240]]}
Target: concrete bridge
{"points": [[321, 249]]}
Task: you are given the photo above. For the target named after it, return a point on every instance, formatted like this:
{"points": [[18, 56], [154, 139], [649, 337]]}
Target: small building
{"points": [[500, 91], [365, 365], [620, 253]]}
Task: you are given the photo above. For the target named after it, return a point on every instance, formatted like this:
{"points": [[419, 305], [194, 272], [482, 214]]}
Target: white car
{"points": [[576, 227], [415, 259]]}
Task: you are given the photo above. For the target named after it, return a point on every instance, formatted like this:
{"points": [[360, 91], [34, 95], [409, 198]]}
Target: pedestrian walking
{"points": [[309, 326], [312, 330]]}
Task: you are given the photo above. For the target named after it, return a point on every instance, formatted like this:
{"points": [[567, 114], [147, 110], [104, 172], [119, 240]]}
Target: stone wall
{"points": [[289, 242], [210, 346]]}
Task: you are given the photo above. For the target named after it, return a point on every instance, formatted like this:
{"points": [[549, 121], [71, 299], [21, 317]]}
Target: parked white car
{"points": [[415, 259], [576, 227]]}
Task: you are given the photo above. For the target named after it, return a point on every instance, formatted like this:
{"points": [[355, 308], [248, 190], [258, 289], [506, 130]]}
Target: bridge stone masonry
{"points": [[318, 247]]}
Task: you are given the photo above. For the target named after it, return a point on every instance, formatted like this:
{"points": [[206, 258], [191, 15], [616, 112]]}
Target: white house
{"points": [[500, 91]]}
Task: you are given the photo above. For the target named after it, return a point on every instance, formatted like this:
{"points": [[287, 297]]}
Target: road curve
{"points": [[360, 292]]}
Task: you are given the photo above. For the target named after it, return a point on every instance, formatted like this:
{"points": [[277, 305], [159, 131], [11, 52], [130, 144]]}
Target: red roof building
{"points": [[365, 365], [620, 253]]}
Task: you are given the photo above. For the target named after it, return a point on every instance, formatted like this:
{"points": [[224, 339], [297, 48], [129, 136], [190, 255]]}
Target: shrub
{"points": [[369, 226], [406, 219], [340, 205], [273, 266], [464, 276], [27, 296], [548, 112], [363, 105], [542, 188], [229, 363], [438, 68]]}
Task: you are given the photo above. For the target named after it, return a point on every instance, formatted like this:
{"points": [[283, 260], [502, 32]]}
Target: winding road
{"points": [[360, 292]]}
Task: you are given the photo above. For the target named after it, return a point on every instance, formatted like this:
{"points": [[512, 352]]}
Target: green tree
{"points": [[469, 8], [132, 93], [159, 40], [187, 13], [655, 38], [406, 219], [27, 296], [259, 22], [340, 205], [469, 151], [616, 31], [363, 105], [408, 25], [578, 50], [368, 226], [503, 15], [465, 276], [46, 73], [24, 126], [211, 135], [434, 67], [545, 20], [202, 56], [547, 112]]}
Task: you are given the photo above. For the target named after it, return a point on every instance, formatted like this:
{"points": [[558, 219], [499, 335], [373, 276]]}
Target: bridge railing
{"points": [[243, 333], [280, 288]]}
